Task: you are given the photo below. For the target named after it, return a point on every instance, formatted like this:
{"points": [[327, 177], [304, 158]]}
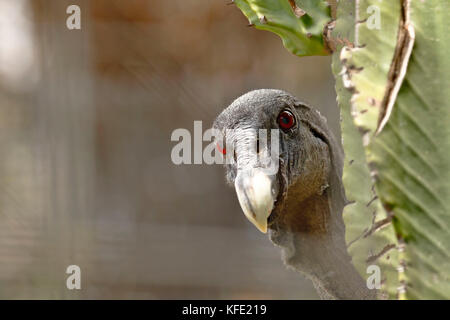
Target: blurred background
{"points": [[86, 176]]}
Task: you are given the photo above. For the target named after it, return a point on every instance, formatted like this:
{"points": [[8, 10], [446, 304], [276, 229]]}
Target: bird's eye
{"points": [[221, 150], [286, 120]]}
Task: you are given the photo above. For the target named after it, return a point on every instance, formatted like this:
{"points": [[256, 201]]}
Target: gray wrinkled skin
{"points": [[258, 110], [306, 222]]}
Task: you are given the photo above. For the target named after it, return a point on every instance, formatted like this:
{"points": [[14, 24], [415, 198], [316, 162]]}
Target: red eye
{"points": [[286, 120], [221, 150]]}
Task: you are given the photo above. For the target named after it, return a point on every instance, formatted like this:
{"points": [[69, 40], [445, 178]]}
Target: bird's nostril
{"points": [[257, 145], [235, 156]]}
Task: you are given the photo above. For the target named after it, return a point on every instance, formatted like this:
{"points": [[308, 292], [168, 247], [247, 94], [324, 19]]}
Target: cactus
{"points": [[392, 80], [300, 28]]}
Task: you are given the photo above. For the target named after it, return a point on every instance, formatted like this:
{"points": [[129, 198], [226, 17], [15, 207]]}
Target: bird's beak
{"points": [[256, 192]]}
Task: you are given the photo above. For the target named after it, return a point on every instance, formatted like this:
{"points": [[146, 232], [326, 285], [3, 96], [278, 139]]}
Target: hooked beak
{"points": [[256, 192]]}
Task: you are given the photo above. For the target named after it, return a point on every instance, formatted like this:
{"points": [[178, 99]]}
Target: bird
{"points": [[300, 204]]}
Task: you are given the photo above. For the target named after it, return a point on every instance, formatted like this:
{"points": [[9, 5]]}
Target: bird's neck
{"points": [[313, 242]]}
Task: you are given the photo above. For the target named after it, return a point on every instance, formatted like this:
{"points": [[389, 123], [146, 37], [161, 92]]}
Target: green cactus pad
{"points": [[299, 24]]}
